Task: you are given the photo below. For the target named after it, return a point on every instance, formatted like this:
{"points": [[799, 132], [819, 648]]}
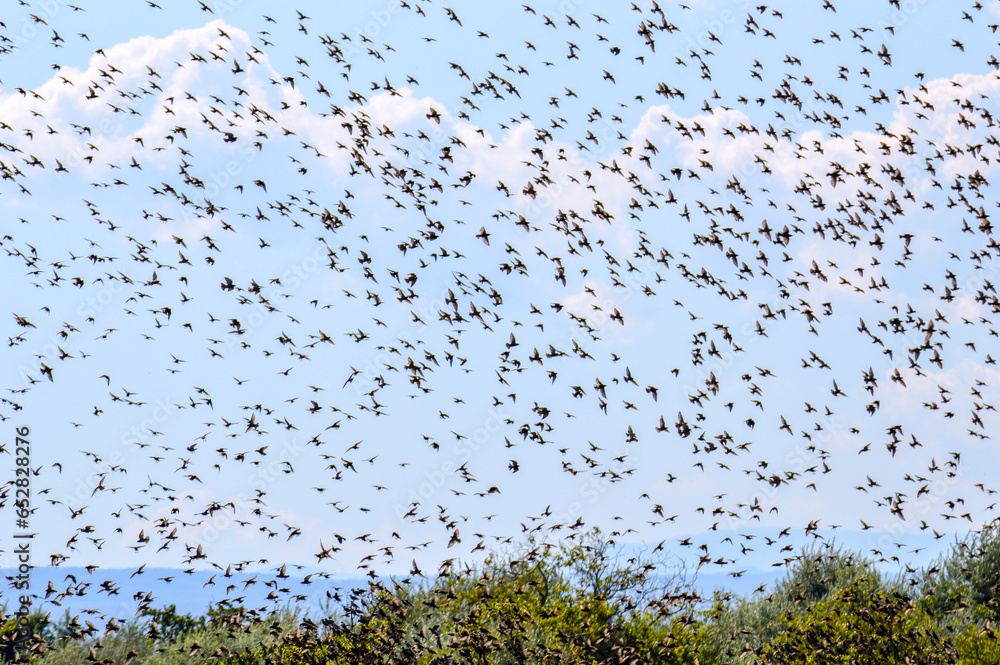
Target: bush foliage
{"points": [[581, 603]]}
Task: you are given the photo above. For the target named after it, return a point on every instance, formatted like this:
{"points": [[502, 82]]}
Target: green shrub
{"points": [[172, 625], [978, 646], [128, 644], [739, 627], [862, 624], [964, 584], [34, 633], [581, 603], [546, 604]]}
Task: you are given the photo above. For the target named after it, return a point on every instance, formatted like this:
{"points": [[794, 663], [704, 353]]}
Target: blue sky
{"points": [[358, 278]]}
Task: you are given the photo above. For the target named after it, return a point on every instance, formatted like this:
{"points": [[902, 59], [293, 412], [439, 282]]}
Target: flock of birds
{"points": [[409, 288]]}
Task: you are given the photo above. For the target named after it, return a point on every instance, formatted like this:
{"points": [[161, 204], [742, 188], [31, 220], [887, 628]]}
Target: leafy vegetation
{"points": [[580, 603], [861, 624], [966, 581], [34, 630]]}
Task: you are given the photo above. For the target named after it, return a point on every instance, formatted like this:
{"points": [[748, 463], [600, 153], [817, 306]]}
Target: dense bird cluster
{"points": [[467, 275]]}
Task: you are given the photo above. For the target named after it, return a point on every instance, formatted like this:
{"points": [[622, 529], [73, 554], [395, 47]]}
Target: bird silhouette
{"points": [[716, 217]]}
